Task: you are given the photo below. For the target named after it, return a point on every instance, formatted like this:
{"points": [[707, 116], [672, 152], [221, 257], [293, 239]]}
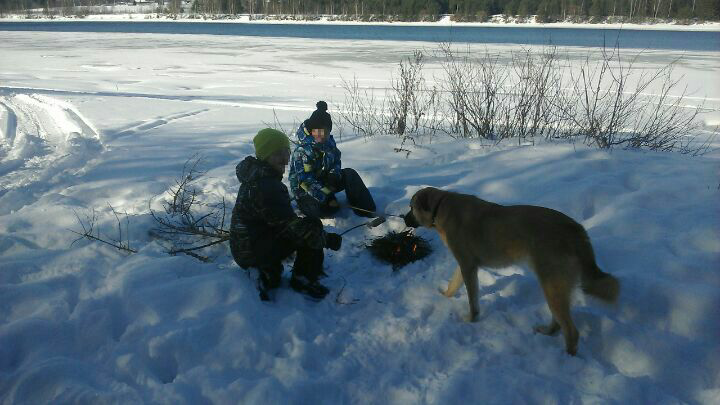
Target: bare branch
{"points": [[88, 232], [188, 222]]}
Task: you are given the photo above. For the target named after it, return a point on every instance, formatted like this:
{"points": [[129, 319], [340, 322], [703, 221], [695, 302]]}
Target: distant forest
{"points": [[418, 10]]}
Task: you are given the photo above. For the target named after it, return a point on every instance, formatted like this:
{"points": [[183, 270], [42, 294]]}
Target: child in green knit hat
{"points": [[265, 230], [273, 147]]}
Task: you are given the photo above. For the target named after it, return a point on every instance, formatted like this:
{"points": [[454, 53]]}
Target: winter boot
{"points": [[311, 288], [308, 268]]}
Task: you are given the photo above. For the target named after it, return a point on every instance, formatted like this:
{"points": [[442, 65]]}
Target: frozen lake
{"points": [[585, 37]]}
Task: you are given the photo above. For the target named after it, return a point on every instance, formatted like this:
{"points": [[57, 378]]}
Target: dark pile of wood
{"points": [[399, 248]]}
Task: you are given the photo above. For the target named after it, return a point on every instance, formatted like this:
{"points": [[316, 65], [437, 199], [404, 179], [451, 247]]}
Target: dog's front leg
{"points": [[454, 284], [469, 275]]}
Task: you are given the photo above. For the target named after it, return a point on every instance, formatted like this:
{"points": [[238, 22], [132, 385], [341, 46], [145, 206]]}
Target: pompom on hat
{"points": [[320, 118], [268, 141]]}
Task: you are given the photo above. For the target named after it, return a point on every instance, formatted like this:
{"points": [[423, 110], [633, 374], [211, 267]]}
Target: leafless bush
{"points": [[608, 103], [411, 104], [613, 104], [603, 103], [488, 99], [189, 225], [472, 88], [362, 111], [665, 123], [527, 110], [408, 109]]}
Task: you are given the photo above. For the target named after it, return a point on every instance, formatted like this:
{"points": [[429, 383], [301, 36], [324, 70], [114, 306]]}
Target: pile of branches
{"points": [[187, 224], [399, 248]]}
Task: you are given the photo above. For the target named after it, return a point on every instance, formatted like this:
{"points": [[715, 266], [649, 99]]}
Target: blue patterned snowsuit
{"points": [[310, 163]]}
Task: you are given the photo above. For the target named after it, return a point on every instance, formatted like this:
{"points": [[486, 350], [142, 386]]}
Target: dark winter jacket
{"points": [[311, 162], [263, 217]]}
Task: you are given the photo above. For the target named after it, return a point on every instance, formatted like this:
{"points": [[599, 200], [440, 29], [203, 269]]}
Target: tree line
{"points": [[587, 10], [424, 10]]}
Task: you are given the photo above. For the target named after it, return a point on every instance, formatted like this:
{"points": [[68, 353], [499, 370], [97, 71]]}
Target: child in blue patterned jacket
{"points": [[316, 174]]}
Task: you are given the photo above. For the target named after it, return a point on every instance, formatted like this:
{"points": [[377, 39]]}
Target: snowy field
{"points": [[91, 120]]}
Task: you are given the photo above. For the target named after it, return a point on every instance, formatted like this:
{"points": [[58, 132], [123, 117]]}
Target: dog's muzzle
{"points": [[410, 220]]}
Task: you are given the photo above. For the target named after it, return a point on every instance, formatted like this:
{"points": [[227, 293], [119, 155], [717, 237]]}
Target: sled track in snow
{"points": [[40, 138], [152, 124]]}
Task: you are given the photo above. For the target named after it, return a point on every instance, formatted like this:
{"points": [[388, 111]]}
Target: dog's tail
{"points": [[600, 284], [595, 281]]}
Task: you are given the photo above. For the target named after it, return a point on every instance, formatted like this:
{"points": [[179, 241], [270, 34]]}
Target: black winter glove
{"points": [[333, 241], [333, 181]]}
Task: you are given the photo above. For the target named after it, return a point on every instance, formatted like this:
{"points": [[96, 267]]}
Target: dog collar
{"points": [[434, 214]]}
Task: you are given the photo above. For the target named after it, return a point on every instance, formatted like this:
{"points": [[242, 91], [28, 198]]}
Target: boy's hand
{"points": [[333, 181]]}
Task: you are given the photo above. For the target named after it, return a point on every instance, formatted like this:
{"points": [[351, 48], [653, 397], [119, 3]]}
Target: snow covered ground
{"points": [[90, 120]]}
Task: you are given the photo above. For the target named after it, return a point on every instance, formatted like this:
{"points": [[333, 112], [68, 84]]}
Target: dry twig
{"points": [[90, 232]]}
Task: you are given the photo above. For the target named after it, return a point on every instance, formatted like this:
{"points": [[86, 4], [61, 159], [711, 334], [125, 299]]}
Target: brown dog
{"points": [[484, 234]]}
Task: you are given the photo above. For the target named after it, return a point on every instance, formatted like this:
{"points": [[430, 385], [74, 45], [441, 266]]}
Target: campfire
{"points": [[399, 248]]}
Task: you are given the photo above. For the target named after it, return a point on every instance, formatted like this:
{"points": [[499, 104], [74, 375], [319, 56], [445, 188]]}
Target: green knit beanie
{"points": [[269, 141]]}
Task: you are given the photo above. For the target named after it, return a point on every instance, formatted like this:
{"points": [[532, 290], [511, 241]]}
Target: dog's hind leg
{"points": [[557, 293], [454, 284]]}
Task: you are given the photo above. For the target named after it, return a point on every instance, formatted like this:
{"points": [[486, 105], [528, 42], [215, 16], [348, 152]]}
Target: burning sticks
{"points": [[399, 248], [396, 248]]}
